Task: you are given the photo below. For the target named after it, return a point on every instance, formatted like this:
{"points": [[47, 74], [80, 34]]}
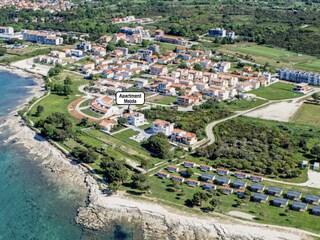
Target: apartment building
{"points": [[300, 76], [41, 37], [6, 30]]}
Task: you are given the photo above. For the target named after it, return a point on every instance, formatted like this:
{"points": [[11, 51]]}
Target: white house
{"points": [[161, 126], [135, 118]]}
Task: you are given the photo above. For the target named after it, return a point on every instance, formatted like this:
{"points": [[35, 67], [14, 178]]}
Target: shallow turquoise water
{"points": [[31, 207]]}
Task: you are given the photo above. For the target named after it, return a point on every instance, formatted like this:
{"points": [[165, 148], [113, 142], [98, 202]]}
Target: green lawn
{"points": [[166, 46], [125, 136], [240, 104], [308, 114], [85, 103], [91, 113], [276, 91], [160, 99]]}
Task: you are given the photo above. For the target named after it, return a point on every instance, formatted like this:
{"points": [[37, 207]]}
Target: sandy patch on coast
{"points": [[241, 215], [30, 66], [282, 111]]}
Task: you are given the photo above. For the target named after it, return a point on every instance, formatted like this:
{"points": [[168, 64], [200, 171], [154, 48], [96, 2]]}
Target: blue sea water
{"points": [[31, 206]]}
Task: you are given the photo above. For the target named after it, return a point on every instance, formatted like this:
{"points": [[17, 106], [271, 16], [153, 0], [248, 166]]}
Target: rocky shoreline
{"points": [[153, 220]]}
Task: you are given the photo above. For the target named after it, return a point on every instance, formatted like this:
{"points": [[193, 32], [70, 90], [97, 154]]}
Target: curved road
{"points": [[209, 127]]}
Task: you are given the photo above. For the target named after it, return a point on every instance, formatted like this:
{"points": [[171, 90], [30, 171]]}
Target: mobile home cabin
{"points": [[163, 175], [292, 195], [274, 191], [299, 206], [193, 183], [256, 187], [172, 168], [223, 181], [259, 197], [207, 177], [239, 184], [280, 202]]}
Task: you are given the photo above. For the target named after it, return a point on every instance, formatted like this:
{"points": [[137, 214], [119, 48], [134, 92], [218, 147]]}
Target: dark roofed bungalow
{"points": [[256, 187], [240, 175], [292, 195], [275, 191], [209, 186], [172, 168], [299, 206], [223, 181], [177, 178], [226, 190], [241, 192], [316, 210], [256, 178], [222, 171], [280, 202], [193, 183], [259, 197], [188, 164], [207, 177], [239, 184], [163, 175], [312, 199], [205, 168]]}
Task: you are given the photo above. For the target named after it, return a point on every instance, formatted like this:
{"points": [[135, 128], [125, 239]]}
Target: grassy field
{"points": [[160, 99], [91, 113], [278, 58], [276, 91], [311, 66], [125, 136], [85, 103], [130, 147], [166, 46], [308, 114], [240, 104], [56, 103]]}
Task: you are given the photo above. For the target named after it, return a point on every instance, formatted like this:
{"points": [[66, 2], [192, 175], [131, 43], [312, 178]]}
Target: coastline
{"points": [[156, 221]]}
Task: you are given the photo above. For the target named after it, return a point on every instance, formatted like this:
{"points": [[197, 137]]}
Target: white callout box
{"points": [[130, 98]]}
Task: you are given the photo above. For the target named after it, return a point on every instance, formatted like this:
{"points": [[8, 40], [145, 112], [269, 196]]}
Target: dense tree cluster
{"points": [[56, 126], [159, 145], [85, 155], [253, 146]]}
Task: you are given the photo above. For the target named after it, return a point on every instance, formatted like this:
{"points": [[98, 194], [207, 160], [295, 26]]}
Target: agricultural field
{"points": [[276, 91], [278, 58], [308, 114]]}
